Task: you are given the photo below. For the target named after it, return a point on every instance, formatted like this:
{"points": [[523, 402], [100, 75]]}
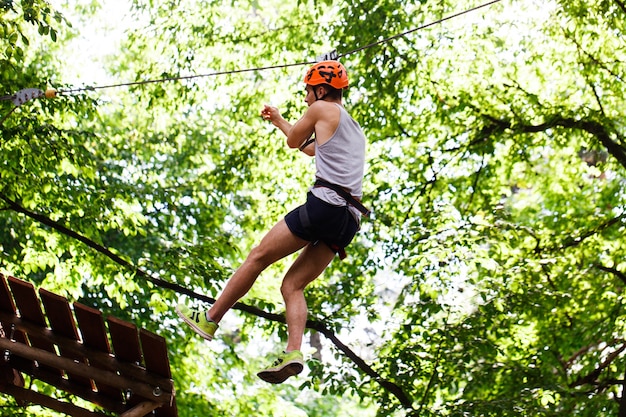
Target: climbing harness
{"points": [[350, 199]]}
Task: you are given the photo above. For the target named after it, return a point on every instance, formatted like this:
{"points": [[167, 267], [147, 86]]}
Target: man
{"points": [[322, 227]]}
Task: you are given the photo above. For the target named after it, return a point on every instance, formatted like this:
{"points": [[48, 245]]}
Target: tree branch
{"points": [[574, 241], [614, 271], [590, 126], [431, 380], [592, 376], [389, 386]]}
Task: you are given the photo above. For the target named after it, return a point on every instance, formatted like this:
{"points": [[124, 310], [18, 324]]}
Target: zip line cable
{"points": [[184, 77], [279, 66], [50, 93], [427, 25]]}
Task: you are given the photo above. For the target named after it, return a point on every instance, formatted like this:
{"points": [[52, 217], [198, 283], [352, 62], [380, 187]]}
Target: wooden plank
{"points": [[61, 383], [26, 301], [152, 389], [62, 323], [140, 410], [107, 361], [6, 301], [30, 309], [155, 353], [125, 340], [59, 314], [145, 390], [157, 361], [93, 332], [18, 379], [48, 402], [9, 375], [7, 305], [91, 327]]}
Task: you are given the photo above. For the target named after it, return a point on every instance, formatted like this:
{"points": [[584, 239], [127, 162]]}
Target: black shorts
{"points": [[333, 225]]}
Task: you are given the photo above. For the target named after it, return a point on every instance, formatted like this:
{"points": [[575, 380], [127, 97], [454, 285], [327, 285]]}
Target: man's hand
{"points": [[271, 113]]}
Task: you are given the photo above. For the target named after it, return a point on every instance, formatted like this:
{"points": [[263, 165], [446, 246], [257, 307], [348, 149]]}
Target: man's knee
{"points": [[259, 255], [286, 289], [289, 287]]}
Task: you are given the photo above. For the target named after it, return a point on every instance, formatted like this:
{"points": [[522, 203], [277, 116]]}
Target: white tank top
{"points": [[341, 161]]}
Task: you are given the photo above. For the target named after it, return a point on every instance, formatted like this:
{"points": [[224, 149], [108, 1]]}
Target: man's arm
{"points": [[308, 147], [304, 128], [298, 133]]}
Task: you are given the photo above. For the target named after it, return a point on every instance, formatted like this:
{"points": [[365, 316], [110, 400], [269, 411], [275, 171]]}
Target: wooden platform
{"points": [[67, 347]]}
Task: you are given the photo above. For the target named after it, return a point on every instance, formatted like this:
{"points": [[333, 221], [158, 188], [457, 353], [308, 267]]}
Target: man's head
{"points": [[326, 79]]}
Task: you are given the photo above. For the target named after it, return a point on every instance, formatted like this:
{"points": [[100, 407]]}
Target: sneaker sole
{"points": [[280, 375], [194, 326]]}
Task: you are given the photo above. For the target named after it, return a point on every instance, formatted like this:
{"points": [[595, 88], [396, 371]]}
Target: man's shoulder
{"points": [[323, 108]]}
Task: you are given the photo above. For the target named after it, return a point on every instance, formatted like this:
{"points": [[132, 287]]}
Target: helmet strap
{"points": [[315, 94]]}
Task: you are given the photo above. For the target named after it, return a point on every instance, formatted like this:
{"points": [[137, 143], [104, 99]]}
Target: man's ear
{"points": [[321, 91]]}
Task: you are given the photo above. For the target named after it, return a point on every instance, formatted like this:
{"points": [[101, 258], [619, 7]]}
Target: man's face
{"points": [[310, 95]]}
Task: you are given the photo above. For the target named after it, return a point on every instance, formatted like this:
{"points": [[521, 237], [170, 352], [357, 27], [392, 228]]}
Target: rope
{"points": [[272, 67], [186, 77], [50, 93], [436, 22]]}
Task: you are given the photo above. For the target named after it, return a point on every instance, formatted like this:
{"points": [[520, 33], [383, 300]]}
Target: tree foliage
{"points": [[491, 275]]}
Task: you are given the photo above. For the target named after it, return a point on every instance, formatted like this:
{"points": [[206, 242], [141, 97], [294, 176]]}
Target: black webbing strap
{"points": [[307, 143], [304, 217], [343, 193]]}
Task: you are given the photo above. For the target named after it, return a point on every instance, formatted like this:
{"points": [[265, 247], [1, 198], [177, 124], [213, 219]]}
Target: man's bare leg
{"points": [[277, 243], [307, 267]]}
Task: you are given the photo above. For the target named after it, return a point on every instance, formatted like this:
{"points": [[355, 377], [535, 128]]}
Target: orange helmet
{"points": [[327, 72]]}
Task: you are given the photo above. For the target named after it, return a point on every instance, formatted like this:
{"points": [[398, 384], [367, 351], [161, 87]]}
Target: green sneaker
{"points": [[198, 321], [287, 364]]}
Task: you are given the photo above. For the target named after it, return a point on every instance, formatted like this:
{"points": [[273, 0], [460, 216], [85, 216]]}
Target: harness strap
{"points": [[307, 143], [343, 193], [304, 217], [341, 252]]}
